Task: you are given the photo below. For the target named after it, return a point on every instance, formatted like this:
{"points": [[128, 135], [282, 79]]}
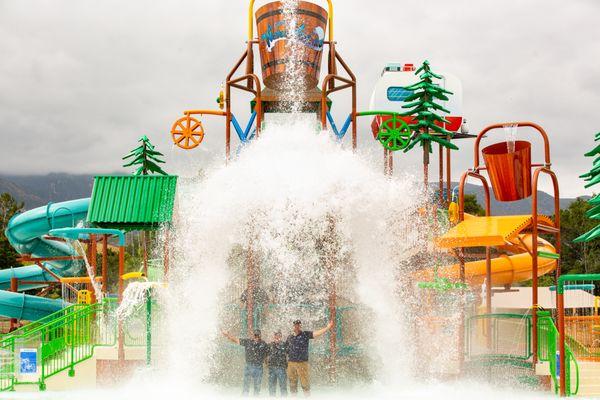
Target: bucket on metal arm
{"points": [[284, 45], [509, 169]]}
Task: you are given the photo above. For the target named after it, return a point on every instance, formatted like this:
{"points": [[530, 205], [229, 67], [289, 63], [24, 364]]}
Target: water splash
{"points": [[90, 271], [510, 132], [292, 97], [134, 296], [293, 199]]}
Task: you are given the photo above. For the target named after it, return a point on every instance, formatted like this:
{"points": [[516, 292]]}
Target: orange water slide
{"points": [[504, 233]]}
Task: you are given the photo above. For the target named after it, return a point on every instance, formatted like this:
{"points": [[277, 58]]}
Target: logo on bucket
{"points": [[313, 40]]}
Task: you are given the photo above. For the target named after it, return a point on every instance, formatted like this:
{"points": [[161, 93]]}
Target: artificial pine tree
{"points": [[146, 157], [427, 125], [593, 178]]}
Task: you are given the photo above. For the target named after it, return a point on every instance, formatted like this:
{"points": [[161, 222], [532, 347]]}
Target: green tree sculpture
{"points": [[427, 125], [593, 178], [146, 157]]}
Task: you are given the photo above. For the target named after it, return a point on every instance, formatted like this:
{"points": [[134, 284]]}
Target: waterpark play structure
{"points": [[76, 339]]}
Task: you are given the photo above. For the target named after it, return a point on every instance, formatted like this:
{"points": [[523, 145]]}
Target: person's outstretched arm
{"points": [[230, 337], [320, 332]]}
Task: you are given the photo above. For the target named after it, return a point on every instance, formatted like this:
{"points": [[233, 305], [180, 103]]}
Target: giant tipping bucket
{"points": [[509, 169], [285, 45]]}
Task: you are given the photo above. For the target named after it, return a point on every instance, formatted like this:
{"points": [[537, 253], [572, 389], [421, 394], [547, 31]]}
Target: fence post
{"points": [[73, 339], [42, 383], [13, 375], [149, 326]]}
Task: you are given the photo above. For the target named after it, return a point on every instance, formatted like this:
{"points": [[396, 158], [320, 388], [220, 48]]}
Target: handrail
{"points": [[77, 233], [251, 20], [65, 341], [550, 345], [51, 217], [29, 327]]}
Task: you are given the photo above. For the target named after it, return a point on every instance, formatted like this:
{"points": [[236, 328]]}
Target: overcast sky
{"points": [[81, 80]]}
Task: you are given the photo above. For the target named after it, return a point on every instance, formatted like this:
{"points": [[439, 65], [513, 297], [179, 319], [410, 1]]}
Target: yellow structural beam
{"points": [[487, 231], [132, 275], [79, 279]]}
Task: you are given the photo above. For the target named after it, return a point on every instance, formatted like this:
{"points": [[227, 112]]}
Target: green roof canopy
{"points": [[141, 202]]}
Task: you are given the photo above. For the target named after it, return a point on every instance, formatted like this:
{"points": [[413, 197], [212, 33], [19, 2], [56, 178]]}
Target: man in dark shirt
{"points": [[256, 352], [297, 344], [277, 365]]}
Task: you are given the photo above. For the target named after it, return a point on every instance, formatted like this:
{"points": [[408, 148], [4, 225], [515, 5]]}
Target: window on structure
{"points": [[397, 93]]}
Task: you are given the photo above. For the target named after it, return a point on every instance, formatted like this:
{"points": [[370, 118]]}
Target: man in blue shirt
{"points": [[256, 352], [277, 365], [297, 345]]}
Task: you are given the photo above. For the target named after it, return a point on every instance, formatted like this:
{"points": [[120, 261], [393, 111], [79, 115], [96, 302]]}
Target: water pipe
{"points": [[251, 20], [83, 233]]}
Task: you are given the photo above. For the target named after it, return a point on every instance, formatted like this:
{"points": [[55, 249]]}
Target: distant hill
{"points": [[38, 190], [545, 202], [20, 194]]}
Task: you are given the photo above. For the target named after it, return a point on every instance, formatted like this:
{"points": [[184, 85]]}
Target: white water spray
{"points": [[278, 198]]}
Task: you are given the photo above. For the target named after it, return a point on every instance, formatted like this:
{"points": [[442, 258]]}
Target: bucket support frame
{"points": [[540, 168]]}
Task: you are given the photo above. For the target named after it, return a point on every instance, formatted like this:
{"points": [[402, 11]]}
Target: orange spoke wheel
{"points": [[187, 132]]}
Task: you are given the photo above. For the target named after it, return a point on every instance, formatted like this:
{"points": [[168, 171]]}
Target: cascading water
{"points": [[89, 270], [308, 217], [294, 198], [293, 73], [510, 131], [296, 201]]}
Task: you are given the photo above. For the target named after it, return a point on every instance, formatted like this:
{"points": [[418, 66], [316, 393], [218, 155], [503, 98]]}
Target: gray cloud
{"points": [[80, 81]]}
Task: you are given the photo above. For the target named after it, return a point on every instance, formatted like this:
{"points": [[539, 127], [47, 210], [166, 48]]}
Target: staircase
{"points": [[589, 379], [56, 343]]}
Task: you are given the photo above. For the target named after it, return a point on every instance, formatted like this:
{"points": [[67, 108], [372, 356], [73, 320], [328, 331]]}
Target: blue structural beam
{"points": [[244, 135], [342, 132]]}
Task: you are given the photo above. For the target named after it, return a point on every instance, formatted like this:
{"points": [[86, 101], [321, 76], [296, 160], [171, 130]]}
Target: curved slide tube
{"points": [[26, 232], [506, 269]]}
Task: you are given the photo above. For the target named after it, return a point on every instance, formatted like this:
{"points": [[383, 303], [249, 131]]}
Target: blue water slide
{"points": [[26, 233]]}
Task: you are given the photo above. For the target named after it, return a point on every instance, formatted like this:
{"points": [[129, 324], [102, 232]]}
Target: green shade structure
{"points": [[139, 202]]}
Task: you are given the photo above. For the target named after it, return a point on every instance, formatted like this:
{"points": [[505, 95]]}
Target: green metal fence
{"points": [[135, 326], [547, 351], [7, 366], [499, 336], [59, 344]]}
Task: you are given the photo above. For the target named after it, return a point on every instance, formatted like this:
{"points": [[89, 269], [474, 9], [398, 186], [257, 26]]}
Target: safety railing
{"points": [[136, 326], [499, 336], [7, 366], [35, 324], [547, 352], [38, 351]]}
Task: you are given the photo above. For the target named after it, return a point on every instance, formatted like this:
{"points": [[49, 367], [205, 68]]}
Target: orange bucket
{"points": [[509, 172], [274, 43]]}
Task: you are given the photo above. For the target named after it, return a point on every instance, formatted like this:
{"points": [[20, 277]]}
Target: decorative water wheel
{"points": [[394, 134], [187, 132]]}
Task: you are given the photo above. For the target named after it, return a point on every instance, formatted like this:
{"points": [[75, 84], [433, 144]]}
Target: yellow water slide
{"points": [[505, 234]]}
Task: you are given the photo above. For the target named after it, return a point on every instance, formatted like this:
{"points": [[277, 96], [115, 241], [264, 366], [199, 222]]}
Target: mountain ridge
{"points": [[38, 190]]}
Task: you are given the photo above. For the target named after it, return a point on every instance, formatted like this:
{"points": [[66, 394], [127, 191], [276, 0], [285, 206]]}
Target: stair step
{"points": [[588, 393]]}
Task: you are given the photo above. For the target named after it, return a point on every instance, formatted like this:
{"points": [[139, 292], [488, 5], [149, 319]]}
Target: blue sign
{"points": [[314, 40], [28, 363]]}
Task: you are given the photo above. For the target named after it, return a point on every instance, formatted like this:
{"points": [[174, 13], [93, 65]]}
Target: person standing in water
{"points": [[277, 362], [297, 345], [256, 353]]}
